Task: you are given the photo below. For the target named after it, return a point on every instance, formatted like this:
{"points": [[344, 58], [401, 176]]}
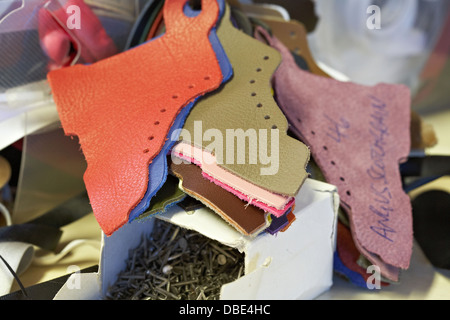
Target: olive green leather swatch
{"points": [[167, 196], [246, 103]]}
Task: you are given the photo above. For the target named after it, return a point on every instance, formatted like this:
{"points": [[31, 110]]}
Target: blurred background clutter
{"points": [[40, 168]]}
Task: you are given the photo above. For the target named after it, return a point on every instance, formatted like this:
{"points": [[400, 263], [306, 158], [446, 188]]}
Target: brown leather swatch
{"points": [[248, 220]]}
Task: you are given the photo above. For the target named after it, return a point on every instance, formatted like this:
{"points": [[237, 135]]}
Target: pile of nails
{"points": [[174, 263]]}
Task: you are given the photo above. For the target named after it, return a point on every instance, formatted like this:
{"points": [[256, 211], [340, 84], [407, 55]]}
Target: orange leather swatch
{"points": [[122, 108]]}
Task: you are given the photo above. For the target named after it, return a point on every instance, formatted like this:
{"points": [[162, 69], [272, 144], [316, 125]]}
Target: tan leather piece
{"points": [[246, 102], [5, 171], [293, 35], [422, 134]]}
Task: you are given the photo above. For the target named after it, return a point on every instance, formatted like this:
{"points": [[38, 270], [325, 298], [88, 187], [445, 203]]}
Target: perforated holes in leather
{"points": [[253, 94], [332, 162]]}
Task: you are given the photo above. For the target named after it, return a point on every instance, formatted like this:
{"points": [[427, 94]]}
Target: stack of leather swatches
{"points": [[150, 122]]}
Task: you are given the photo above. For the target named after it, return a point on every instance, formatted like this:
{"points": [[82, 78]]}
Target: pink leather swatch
{"points": [[254, 195], [357, 135]]}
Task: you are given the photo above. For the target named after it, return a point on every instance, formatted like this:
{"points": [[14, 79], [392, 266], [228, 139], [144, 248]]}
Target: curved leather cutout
{"points": [[154, 27], [134, 39], [248, 96], [158, 169], [358, 135], [154, 19], [292, 35], [45, 230], [40, 235], [241, 21], [123, 107], [248, 220]]}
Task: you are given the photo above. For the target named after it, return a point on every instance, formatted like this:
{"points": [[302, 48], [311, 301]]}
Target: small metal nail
{"points": [[167, 293], [221, 259], [133, 276], [167, 269], [223, 251], [175, 256], [183, 283], [183, 244], [136, 295], [201, 296]]}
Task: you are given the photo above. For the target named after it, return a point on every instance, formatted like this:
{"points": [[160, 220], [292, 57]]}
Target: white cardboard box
{"points": [[295, 264]]}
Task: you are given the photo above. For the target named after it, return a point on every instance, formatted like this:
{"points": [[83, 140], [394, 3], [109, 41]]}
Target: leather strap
{"points": [[241, 21], [154, 27], [139, 27], [293, 35], [45, 231], [123, 107]]}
